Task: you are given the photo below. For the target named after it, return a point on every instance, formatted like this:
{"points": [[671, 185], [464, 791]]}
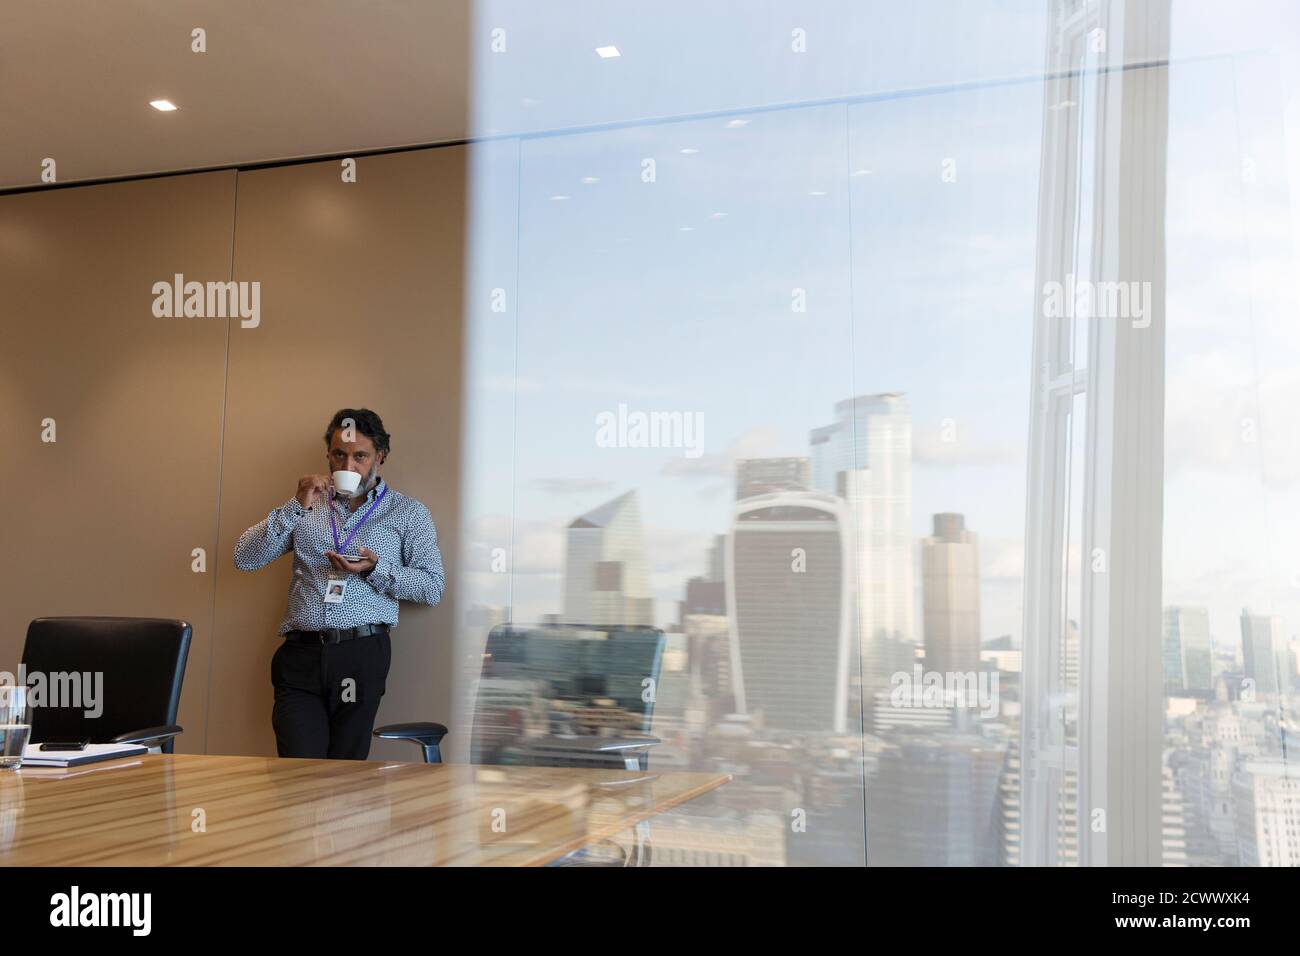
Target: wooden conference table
{"points": [[196, 810]]}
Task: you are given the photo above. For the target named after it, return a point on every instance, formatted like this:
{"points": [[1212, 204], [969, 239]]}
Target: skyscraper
{"points": [[935, 800], [717, 560], [865, 457], [950, 579], [758, 476], [790, 610], [708, 654], [605, 579], [1267, 801], [1187, 650], [1260, 638]]}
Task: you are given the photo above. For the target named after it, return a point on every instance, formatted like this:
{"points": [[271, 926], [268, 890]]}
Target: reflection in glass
{"points": [[773, 369]]}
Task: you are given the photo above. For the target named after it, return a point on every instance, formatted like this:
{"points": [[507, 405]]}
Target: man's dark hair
{"points": [[367, 423]]}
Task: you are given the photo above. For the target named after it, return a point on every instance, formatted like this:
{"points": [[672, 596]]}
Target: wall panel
{"points": [[360, 306], [103, 520]]}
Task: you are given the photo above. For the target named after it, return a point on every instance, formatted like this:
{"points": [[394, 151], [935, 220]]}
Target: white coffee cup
{"points": [[347, 481]]}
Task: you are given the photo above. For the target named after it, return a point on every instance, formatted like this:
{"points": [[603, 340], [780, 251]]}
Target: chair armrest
{"points": [[423, 731], [631, 750], [602, 745], [148, 736]]}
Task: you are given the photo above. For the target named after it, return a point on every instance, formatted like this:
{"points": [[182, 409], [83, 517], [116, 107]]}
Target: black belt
{"points": [[335, 635]]}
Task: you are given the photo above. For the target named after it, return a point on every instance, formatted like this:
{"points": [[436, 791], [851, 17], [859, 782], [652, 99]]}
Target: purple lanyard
{"points": [[342, 549]]}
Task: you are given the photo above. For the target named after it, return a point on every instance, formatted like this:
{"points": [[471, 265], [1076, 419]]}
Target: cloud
{"points": [[1220, 417], [714, 492], [674, 557], [1002, 560], [503, 383], [571, 486], [755, 443], [524, 384], [930, 449], [537, 546], [624, 389]]}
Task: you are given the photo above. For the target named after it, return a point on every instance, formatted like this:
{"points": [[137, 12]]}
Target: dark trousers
{"points": [[326, 697]]}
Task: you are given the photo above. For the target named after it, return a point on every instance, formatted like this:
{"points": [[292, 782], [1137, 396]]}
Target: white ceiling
{"points": [[289, 79], [281, 79]]}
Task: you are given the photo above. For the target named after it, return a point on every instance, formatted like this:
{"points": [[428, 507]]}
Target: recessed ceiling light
{"points": [[817, 192], [590, 179], [163, 106], [606, 52], [559, 198], [689, 151], [736, 123], [717, 215], [687, 228], [861, 172]]}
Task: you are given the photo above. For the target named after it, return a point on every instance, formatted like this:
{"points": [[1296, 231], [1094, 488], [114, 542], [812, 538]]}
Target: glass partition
{"points": [[921, 372]]}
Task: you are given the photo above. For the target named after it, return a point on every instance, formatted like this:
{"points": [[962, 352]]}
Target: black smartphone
{"points": [[65, 745]]}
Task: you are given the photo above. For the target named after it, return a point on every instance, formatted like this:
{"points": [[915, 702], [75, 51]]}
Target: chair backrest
{"points": [[549, 681], [128, 671]]}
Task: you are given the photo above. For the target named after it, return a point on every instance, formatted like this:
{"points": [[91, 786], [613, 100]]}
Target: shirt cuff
{"points": [[380, 577], [291, 513]]}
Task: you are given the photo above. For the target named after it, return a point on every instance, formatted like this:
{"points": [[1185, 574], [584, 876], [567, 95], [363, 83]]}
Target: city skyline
{"points": [[788, 259]]}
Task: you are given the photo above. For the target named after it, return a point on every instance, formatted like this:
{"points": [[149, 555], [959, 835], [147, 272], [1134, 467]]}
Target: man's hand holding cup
{"points": [[312, 490]]}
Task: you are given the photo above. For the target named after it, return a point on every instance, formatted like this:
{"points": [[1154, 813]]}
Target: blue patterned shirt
{"points": [[400, 532]]}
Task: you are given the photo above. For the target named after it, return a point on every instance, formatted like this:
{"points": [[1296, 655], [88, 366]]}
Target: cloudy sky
{"points": [[675, 294]]}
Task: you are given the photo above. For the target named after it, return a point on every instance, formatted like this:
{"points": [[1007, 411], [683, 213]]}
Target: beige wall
{"points": [[104, 519], [360, 305], [361, 291]]}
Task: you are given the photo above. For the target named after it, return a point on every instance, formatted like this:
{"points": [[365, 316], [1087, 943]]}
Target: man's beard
{"points": [[371, 480]]}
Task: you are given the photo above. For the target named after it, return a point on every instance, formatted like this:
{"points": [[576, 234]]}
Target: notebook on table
{"points": [[34, 756]]}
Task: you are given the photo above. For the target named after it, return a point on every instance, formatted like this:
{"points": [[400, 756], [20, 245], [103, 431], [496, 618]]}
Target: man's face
{"points": [[358, 455]]}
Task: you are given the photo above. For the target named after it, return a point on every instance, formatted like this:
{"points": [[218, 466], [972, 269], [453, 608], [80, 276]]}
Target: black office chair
{"points": [[142, 661], [560, 695]]}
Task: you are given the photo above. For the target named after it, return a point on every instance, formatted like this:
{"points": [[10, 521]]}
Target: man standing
{"points": [[358, 547]]}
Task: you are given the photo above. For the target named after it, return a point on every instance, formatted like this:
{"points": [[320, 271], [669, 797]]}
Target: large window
{"points": [[782, 352]]}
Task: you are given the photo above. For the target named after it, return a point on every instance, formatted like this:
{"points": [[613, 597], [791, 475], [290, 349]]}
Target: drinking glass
{"points": [[15, 725]]}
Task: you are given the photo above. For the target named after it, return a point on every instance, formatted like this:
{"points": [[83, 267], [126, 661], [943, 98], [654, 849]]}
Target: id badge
{"points": [[335, 588]]}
